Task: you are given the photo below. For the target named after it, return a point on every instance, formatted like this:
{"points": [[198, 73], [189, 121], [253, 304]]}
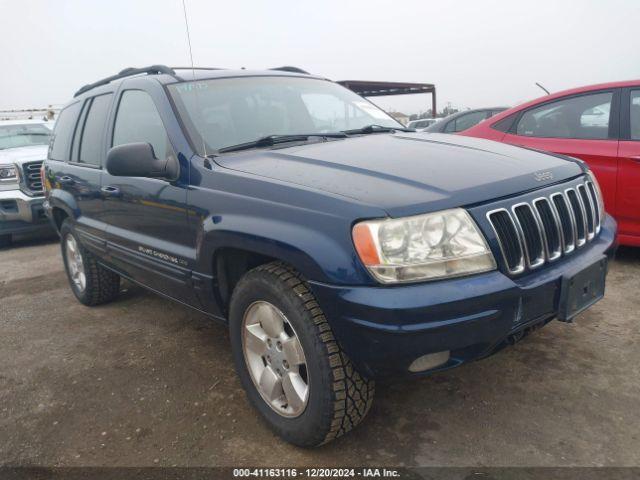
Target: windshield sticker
{"points": [[191, 86]]}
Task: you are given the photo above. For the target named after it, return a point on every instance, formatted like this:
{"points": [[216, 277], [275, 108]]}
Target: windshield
{"points": [[231, 111], [13, 136]]}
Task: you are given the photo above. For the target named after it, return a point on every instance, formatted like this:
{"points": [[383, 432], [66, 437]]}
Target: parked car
{"points": [[336, 245], [23, 148], [599, 124], [460, 121], [422, 123]]}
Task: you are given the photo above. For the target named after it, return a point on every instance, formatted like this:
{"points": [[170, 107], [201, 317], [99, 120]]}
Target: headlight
{"points": [[424, 247], [8, 172], [598, 193]]}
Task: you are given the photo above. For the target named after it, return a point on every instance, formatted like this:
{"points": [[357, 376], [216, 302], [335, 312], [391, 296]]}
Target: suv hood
{"points": [[23, 154], [408, 173]]}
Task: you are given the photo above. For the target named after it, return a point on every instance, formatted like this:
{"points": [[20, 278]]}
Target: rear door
{"points": [[584, 126], [148, 234], [628, 195], [80, 176]]}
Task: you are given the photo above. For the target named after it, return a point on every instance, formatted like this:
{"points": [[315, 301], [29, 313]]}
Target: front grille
{"points": [[509, 240], [589, 210], [550, 228], [31, 177], [531, 234], [566, 221], [578, 216]]}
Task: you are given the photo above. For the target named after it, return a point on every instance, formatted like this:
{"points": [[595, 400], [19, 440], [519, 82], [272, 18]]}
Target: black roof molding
{"points": [[129, 72], [291, 70]]}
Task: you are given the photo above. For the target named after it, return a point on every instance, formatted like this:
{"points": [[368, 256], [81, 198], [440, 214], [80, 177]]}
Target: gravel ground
{"points": [[144, 382]]}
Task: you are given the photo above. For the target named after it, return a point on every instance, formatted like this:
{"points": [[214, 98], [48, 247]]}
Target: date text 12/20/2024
{"points": [[315, 472]]}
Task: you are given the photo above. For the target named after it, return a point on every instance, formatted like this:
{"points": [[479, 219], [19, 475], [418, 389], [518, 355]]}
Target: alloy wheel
{"points": [[275, 359], [75, 263]]}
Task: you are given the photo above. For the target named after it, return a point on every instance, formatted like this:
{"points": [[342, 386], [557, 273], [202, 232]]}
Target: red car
{"points": [[599, 124]]}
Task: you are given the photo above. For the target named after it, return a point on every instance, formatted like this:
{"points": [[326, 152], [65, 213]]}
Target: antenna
{"points": [[547, 91], [193, 68]]}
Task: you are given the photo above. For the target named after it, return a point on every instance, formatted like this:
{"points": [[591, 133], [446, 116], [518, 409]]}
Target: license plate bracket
{"points": [[582, 289]]}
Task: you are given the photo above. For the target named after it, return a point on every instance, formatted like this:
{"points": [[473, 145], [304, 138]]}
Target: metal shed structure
{"points": [[383, 89]]}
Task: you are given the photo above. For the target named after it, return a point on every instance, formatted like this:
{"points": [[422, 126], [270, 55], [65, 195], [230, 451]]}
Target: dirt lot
{"points": [[143, 381]]}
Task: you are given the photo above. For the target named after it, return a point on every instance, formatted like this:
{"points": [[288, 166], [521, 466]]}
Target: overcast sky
{"points": [[478, 53]]}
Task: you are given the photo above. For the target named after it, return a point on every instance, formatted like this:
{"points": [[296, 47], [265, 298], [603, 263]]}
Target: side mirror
{"points": [[139, 160]]}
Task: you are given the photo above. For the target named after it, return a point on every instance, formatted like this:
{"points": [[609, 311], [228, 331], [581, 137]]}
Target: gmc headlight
{"points": [[8, 172], [424, 247]]}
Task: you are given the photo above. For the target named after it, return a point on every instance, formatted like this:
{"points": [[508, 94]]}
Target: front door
{"points": [[628, 200], [147, 222], [582, 126]]}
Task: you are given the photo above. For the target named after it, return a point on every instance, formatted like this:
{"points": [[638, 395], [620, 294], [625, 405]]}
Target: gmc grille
{"points": [[31, 177], [535, 233]]}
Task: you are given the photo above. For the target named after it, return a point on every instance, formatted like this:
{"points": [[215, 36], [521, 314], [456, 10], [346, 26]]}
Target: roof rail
{"points": [[128, 72], [197, 68], [291, 69]]}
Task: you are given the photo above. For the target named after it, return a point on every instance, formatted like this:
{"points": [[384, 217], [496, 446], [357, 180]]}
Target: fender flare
{"points": [[64, 201]]}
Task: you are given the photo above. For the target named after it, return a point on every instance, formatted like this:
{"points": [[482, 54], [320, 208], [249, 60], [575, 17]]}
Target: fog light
{"points": [[427, 362]]}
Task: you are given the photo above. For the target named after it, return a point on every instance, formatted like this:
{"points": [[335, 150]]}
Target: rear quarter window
{"points": [[61, 141]]}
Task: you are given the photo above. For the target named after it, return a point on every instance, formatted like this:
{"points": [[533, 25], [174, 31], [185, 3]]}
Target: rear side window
{"points": [[469, 120], [90, 150], [634, 111], [450, 127], [464, 122], [583, 117], [59, 149], [138, 120]]}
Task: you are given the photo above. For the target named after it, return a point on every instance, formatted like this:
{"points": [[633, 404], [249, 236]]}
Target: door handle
{"points": [[635, 158], [110, 191], [66, 180]]}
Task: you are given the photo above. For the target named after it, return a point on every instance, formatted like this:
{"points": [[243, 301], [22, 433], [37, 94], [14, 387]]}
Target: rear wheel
{"points": [[91, 283], [289, 362], [5, 241]]}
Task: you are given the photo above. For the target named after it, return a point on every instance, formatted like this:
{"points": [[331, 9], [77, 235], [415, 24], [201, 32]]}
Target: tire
{"points": [[5, 240], [337, 396], [100, 285]]}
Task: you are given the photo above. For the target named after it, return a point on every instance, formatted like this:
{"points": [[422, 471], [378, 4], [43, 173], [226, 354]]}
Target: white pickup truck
{"points": [[23, 147]]}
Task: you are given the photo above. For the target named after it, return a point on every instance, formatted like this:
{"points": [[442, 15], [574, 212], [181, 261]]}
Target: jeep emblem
{"points": [[542, 176]]}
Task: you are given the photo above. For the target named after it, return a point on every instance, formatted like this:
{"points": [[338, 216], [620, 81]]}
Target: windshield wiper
{"points": [[271, 140], [377, 129], [32, 134]]}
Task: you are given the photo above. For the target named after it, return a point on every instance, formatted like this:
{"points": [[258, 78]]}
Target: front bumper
{"points": [[20, 213], [384, 329]]}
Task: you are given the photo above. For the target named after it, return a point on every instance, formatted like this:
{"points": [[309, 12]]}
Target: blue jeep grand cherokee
{"points": [[338, 246]]}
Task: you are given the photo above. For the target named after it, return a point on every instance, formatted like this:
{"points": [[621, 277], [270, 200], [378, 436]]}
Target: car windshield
{"points": [[220, 113], [23, 135]]}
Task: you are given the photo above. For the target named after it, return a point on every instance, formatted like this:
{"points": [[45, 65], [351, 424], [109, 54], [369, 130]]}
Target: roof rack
{"points": [[128, 72], [291, 69]]}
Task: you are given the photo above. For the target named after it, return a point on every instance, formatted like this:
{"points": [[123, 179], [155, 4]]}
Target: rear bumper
{"points": [[20, 213], [384, 329]]}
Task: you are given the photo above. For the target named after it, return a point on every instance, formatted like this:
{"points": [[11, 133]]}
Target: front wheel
{"points": [[289, 362], [91, 283]]}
